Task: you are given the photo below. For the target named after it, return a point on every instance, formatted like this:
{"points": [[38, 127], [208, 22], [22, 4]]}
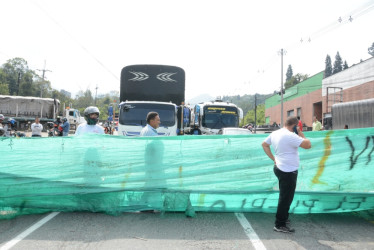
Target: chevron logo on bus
{"points": [[165, 77], [139, 76]]}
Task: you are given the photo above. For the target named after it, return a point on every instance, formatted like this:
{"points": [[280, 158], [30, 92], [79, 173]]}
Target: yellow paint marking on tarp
{"points": [[321, 164], [201, 199], [180, 176]]}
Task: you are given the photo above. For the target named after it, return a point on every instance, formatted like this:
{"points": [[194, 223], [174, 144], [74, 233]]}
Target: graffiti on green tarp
{"points": [[205, 173], [353, 159]]}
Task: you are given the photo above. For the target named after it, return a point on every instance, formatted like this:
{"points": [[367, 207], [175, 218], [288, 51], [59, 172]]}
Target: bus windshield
{"points": [[136, 114], [217, 117]]}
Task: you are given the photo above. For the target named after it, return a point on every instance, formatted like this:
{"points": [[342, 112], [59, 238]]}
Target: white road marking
{"points": [[28, 231], [251, 234]]}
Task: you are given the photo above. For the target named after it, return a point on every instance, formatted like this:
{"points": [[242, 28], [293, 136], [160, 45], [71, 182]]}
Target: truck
{"points": [[208, 118], [146, 88], [355, 114], [74, 117], [24, 109]]}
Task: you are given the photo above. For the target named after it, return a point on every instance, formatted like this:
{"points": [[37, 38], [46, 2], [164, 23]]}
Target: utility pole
{"points": [[18, 82], [96, 94], [282, 52], [255, 112], [43, 76], [44, 70]]}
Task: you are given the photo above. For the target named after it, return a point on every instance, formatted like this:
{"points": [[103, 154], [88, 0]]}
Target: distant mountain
{"points": [[246, 102], [200, 98]]}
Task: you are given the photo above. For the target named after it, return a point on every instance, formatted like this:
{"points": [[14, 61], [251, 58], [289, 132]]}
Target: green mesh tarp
{"points": [[113, 174]]}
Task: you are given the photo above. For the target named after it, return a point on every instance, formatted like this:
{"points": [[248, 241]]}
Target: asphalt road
{"points": [[175, 231]]}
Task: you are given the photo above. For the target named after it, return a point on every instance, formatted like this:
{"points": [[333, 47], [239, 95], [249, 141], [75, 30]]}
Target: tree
{"points": [[292, 82], [371, 50], [328, 66], [27, 84], [21, 80], [42, 88], [4, 90], [338, 64], [245, 102], [301, 77], [289, 73], [14, 69], [345, 65], [250, 116], [296, 79], [84, 99]]}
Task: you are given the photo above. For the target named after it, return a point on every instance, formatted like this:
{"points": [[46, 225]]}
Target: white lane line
{"points": [[251, 234], [28, 231]]}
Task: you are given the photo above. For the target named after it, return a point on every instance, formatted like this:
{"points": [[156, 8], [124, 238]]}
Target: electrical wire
{"points": [[347, 18], [76, 41]]}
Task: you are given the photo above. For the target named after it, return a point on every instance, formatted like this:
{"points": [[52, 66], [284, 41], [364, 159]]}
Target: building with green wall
{"points": [[303, 99]]}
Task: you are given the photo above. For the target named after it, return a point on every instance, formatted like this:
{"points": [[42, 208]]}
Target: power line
{"points": [[347, 18], [76, 41]]}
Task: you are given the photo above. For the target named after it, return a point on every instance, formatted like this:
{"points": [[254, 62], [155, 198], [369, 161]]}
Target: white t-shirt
{"points": [[285, 144], [85, 129], [36, 129]]}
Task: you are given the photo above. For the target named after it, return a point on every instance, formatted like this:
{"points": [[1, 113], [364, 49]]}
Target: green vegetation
{"points": [[16, 78], [250, 116], [247, 104]]}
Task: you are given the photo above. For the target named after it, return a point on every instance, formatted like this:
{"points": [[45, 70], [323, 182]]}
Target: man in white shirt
{"points": [[91, 115], [286, 163], [153, 122], [36, 128]]}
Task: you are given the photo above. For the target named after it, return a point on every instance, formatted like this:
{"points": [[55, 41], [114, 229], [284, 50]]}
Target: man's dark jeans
{"points": [[287, 186]]}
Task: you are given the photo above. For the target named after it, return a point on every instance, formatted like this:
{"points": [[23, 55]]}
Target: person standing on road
{"points": [[91, 115], [65, 127], [56, 129], [316, 126], [8, 127], [300, 124], [286, 163], [36, 128], [153, 122], [1, 120], [2, 131]]}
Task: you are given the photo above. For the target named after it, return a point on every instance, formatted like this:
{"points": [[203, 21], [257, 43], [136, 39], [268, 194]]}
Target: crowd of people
{"points": [[60, 127]]}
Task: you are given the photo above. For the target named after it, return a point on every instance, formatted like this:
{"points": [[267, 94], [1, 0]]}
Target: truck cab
{"points": [[132, 117], [74, 117], [146, 88]]}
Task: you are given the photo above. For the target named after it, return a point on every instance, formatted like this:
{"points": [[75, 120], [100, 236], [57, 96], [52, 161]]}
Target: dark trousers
{"points": [[287, 186]]}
